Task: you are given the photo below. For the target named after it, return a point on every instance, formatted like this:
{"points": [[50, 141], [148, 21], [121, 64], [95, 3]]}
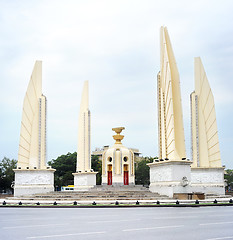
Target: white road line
{"points": [[28, 226], [23, 219], [87, 216], [205, 224], [72, 218], [220, 215], [128, 220], [152, 228], [176, 217], [197, 212], [65, 235], [220, 238], [183, 212]]}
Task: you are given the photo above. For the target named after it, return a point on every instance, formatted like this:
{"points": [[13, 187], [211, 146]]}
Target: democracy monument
{"points": [[171, 174]]}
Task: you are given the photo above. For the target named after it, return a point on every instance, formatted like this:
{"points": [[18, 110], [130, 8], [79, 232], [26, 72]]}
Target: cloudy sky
{"points": [[115, 45]]}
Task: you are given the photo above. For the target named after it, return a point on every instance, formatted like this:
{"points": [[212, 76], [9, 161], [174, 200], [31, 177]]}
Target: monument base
{"points": [[84, 181], [170, 177], [208, 180], [33, 181]]}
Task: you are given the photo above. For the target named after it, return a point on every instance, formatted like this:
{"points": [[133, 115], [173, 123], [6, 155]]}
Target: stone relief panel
{"points": [[160, 173], [206, 176], [33, 178], [80, 180]]}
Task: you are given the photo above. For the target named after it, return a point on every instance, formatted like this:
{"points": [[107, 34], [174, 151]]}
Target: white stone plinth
{"points": [[33, 181], [84, 181], [208, 180], [170, 177]]}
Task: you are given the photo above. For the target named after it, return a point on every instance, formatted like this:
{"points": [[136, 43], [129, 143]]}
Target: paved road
{"points": [[207, 223]]}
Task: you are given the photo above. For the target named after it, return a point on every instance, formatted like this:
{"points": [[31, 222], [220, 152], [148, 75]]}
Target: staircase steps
{"points": [[100, 193]]}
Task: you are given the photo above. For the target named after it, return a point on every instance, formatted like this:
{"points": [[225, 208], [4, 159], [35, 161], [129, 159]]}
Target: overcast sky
{"points": [[115, 45]]}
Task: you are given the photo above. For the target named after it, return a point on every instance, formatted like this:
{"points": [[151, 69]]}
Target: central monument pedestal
{"points": [[170, 177], [33, 181], [118, 163], [83, 181]]}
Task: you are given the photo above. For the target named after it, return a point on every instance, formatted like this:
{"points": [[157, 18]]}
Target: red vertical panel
{"points": [[126, 178], [109, 177]]}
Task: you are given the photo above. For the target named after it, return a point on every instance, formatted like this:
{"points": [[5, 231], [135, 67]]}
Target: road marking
{"points": [[205, 224], [86, 216], [198, 211], [220, 215], [141, 229], [28, 226], [176, 217], [110, 221], [72, 218], [65, 235], [23, 219], [220, 238]]}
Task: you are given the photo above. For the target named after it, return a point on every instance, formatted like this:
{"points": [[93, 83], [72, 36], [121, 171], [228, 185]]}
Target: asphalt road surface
{"points": [[204, 223]]}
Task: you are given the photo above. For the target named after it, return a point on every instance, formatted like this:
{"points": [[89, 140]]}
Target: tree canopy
{"points": [[142, 171], [65, 165], [7, 174], [229, 179], [96, 165]]}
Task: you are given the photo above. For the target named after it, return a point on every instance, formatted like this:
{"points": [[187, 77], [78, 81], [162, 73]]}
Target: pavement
{"points": [[209, 223]]}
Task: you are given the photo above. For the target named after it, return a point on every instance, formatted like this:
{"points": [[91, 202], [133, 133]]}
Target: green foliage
{"points": [[142, 176], [65, 165], [96, 165], [229, 178], [6, 173]]}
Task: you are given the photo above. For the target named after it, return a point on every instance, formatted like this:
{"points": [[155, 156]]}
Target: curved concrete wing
{"points": [[32, 144], [170, 117], [205, 142]]}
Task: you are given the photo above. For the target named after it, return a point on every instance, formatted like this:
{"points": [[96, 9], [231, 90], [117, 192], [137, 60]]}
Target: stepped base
{"points": [[101, 193]]}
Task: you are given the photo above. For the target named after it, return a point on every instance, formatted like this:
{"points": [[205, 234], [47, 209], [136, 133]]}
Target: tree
{"points": [[65, 165], [228, 176], [96, 165], [7, 174], [142, 175]]}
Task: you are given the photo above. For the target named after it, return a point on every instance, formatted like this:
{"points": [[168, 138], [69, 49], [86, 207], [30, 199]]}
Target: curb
{"points": [[180, 205]]}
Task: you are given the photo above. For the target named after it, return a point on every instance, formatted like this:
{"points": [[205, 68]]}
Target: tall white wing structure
{"points": [[32, 145], [84, 136], [32, 175], [205, 143], [170, 118]]}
